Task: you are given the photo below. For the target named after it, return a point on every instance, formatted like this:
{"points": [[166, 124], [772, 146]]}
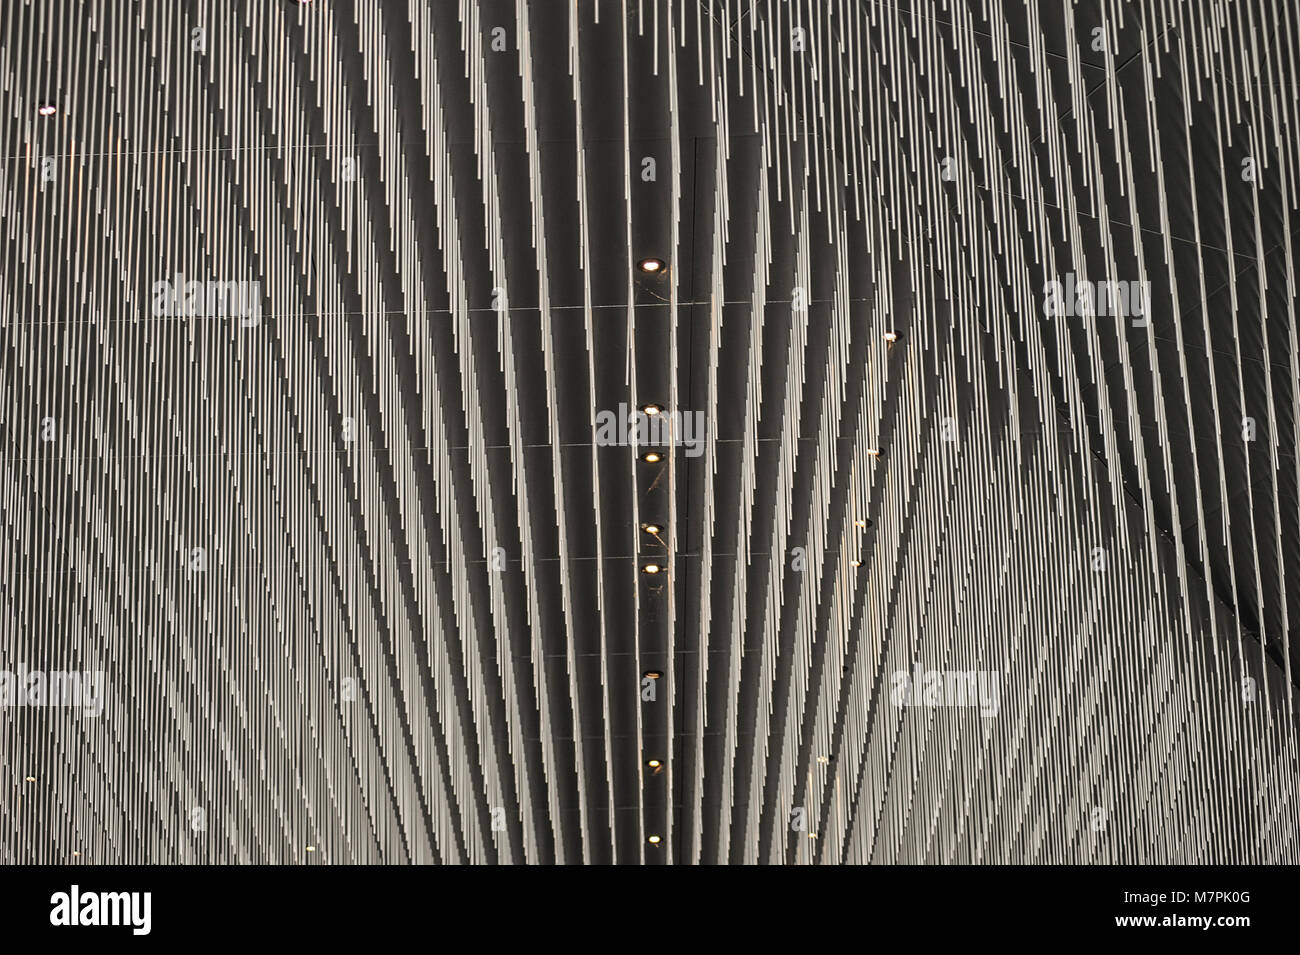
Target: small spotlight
{"points": [[651, 409], [651, 568], [651, 265], [856, 563], [76, 855], [860, 523], [652, 457], [653, 840], [874, 452], [31, 779], [47, 109], [654, 763], [651, 528], [653, 674], [311, 848], [891, 337]]}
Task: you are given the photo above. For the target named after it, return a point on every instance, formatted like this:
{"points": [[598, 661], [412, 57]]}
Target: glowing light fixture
{"points": [[891, 337], [47, 109], [652, 457], [653, 840], [651, 265], [651, 568]]}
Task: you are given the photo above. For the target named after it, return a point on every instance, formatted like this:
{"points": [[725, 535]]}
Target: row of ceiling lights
{"points": [[652, 457], [651, 410], [653, 266]]}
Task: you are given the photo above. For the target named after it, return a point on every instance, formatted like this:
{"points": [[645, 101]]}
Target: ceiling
{"points": [[365, 585]]}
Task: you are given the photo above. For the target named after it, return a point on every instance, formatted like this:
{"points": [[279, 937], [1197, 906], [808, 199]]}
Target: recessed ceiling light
{"points": [[652, 457], [891, 336], [651, 409], [651, 528], [47, 109], [651, 568], [653, 763], [31, 779], [653, 840], [653, 674], [311, 848], [651, 265]]}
